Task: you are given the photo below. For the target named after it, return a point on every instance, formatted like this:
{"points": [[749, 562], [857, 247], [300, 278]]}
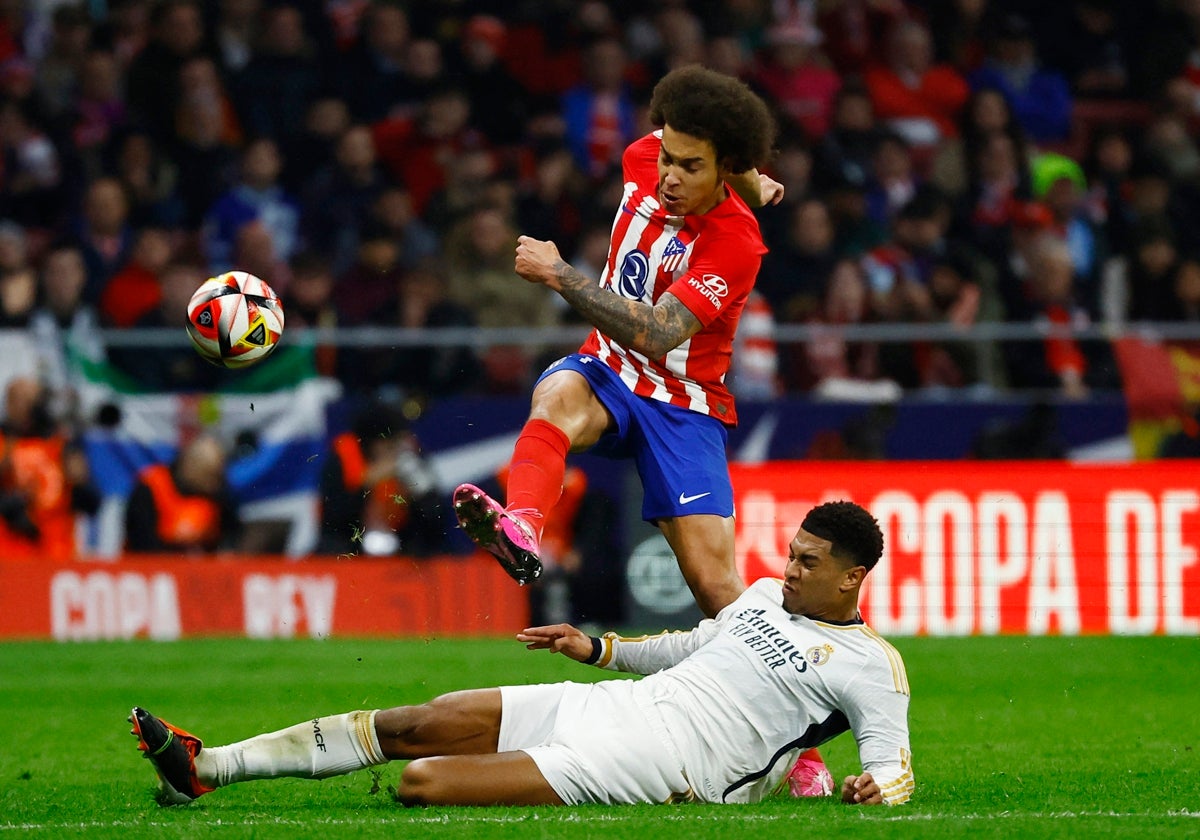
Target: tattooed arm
{"points": [[651, 330]]}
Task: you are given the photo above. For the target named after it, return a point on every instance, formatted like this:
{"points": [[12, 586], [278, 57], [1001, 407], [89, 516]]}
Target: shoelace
{"points": [[525, 515]]}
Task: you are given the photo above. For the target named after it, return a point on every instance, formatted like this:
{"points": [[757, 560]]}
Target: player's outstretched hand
{"points": [[558, 638], [538, 261], [861, 790], [772, 190]]}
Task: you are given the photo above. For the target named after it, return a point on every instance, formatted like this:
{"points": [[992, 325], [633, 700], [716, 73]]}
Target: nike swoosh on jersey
{"points": [[683, 499]]}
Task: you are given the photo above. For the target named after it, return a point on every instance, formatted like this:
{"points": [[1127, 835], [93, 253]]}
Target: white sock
{"points": [[316, 749]]}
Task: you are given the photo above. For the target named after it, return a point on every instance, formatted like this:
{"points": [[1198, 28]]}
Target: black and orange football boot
{"points": [[173, 754]]}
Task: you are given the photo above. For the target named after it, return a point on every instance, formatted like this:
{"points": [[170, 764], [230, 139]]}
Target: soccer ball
{"points": [[234, 319]]}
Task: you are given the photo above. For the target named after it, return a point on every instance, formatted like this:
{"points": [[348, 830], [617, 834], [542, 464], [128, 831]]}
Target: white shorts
{"points": [[593, 743]]}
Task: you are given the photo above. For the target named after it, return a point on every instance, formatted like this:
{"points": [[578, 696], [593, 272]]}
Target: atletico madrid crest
{"points": [[673, 254]]}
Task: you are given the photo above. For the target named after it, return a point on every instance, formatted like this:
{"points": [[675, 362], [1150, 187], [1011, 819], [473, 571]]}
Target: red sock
{"points": [[535, 477]]}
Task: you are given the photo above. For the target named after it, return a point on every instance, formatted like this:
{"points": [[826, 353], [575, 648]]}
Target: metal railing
{"points": [[886, 333]]}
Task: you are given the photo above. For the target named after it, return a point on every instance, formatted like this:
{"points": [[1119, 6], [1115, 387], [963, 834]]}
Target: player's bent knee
{"points": [[714, 593], [567, 401], [565, 391], [419, 783]]}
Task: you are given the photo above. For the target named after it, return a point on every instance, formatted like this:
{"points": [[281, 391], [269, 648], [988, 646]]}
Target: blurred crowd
{"points": [[947, 162]]}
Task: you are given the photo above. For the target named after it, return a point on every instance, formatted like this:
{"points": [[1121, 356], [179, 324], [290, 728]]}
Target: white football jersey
{"points": [[742, 694]]}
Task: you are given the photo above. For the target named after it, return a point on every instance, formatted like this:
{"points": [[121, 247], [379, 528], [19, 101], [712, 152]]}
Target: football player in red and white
{"points": [[649, 382]]}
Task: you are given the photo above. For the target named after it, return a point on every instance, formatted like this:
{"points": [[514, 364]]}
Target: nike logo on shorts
{"points": [[683, 500]]}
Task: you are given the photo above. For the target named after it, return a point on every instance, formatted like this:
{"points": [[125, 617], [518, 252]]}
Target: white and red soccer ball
{"points": [[235, 319]]}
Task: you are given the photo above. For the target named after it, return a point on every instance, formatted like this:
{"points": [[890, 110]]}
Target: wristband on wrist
{"points": [[597, 649]]}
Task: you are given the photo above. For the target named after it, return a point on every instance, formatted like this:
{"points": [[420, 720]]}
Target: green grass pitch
{"points": [[1012, 737]]}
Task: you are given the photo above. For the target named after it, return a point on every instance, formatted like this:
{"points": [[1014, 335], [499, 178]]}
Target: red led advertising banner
{"points": [[999, 547], [970, 548], [264, 598]]}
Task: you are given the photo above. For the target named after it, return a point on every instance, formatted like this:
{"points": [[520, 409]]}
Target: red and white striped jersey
{"points": [[708, 261]]}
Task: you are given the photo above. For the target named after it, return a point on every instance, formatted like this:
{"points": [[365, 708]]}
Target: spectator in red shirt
{"points": [[797, 77], [418, 152], [136, 289], [919, 99]]}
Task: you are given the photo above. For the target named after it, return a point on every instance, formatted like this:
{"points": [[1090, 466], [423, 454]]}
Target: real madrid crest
{"points": [[819, 654]]}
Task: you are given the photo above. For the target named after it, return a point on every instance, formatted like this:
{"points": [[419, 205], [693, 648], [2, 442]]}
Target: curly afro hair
{"points": [[717, 108], [851, 528]]}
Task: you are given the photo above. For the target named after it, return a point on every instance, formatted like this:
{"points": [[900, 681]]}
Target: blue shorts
{"points": [[679, 453]]}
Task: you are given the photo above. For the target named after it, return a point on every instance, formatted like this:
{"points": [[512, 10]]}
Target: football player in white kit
{"points": [[720, 717]]}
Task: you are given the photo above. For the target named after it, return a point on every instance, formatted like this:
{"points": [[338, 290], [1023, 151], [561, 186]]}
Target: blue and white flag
{"points": [[272, 419]]}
